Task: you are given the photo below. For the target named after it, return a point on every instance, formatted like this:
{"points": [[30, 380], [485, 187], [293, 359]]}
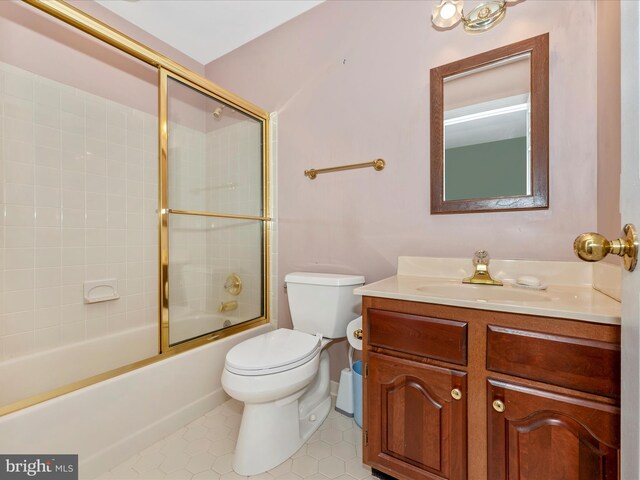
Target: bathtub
{"points": [[186, 324], [44, 371], [109, 421]]}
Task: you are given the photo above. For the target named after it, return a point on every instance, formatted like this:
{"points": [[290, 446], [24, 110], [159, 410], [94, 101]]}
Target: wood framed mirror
{"points": [[490, 130]]}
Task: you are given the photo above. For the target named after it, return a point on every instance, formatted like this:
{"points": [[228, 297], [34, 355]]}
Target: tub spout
{"points": [[228, 306]]}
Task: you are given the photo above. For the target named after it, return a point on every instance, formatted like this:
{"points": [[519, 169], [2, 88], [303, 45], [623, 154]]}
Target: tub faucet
{"points": [[228, 306], [481, 275]]}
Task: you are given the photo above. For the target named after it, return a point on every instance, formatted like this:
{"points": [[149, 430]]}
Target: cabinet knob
{"points": [[456, 394], [498, 406]]}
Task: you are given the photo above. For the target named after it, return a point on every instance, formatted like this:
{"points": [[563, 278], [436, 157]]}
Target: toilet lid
{"points": [[273, 352]]}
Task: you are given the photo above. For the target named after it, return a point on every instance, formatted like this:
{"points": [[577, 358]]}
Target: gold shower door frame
{"points": [[166, 68], [164, 211]]}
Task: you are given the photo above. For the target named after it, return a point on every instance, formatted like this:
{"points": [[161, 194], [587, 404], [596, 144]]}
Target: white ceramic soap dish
{"points": [[101, 291]]}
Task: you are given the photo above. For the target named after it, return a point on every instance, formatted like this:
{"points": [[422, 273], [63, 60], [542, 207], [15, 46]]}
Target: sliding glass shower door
{"points": [[213, 215], [133, 202]]}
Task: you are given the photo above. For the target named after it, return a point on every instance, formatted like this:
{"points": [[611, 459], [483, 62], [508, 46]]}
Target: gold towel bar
{"points": [[376, 164]]}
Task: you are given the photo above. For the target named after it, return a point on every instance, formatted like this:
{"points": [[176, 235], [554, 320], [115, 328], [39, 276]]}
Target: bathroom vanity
{"points": [[490, 382]]}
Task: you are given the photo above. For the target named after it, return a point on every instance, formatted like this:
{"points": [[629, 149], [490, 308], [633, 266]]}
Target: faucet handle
{"points": [[481, 257], [481, 274]]}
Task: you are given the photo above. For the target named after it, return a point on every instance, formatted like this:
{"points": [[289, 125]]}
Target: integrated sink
{"points": [[484, 293], [569, 293]]}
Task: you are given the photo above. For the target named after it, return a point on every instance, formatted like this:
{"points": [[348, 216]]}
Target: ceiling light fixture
{"points": [[480, 19]]}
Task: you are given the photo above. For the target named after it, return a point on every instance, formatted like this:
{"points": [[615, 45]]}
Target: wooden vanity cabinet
{"points": [[457, 393], [545, 435], [415, 427]]}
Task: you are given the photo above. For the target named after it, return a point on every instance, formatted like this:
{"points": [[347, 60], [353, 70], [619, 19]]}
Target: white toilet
{"points": [[283, 376]]}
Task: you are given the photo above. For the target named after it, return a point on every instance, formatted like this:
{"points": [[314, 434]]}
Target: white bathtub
{"points": [[22, 377], [108, 422], [185, 324], [29, 375]]}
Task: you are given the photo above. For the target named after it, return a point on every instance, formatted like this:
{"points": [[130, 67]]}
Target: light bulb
{"points": [[448, 10], [447, 13]]}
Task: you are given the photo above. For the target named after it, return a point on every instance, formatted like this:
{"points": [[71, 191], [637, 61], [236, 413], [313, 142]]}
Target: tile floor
{"points": [[204, 449]]}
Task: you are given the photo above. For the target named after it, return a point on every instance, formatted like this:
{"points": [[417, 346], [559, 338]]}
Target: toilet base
{"points": [[271, 432]]}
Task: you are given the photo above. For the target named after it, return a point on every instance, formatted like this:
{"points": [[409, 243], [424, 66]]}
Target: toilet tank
{"points": [[323, 302]]}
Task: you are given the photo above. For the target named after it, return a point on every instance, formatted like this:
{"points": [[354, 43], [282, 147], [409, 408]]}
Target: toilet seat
{"points": [[273, 352]]}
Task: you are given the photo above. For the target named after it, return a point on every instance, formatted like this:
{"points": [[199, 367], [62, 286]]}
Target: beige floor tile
{"points": [[331, 467], [203, 450], [304, 466], [201, 462], [207, 475]]}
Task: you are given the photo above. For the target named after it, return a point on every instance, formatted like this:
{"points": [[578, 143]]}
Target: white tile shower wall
{"points": [[187, 254], [79, 198]]}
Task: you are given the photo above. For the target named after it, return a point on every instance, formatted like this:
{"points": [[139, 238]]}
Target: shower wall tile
{"points": [[48, 317], [17, 323], [17, 345], [48, 337], [18, 258], [78, 192], [73, 332], [19, 237], [18, 280]]}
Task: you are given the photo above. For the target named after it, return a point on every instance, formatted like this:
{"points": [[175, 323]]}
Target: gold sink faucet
{"points": [[481, 275]]}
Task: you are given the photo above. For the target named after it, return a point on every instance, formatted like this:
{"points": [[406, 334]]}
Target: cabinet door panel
{"points": [[415, 427], [413, 412], [544, 435]]}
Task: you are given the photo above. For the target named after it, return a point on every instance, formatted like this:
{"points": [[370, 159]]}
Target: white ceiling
{"points": [[207, 29]]}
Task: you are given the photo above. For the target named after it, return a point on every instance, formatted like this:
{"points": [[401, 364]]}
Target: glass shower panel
{"points": [[215, 154], [204, 252]]}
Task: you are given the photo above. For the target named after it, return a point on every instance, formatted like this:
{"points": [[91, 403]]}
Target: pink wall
{"points": [[609, 222], [107, 16], [37, 42], [350, 83]]}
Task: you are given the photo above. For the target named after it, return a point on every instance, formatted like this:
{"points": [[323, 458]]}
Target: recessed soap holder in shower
{"points": [[101, 290]]}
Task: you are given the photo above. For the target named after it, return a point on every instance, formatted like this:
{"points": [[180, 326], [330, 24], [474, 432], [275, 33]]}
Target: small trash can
{"points": [[357, 392]]}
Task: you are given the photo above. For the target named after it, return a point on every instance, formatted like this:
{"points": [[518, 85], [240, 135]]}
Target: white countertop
{"points": [[578, 301]]}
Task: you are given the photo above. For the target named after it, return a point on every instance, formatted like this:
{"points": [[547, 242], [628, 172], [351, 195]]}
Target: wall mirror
{"points": [[490, 130]]}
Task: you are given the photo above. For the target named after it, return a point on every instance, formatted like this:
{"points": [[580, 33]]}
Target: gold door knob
{"points": [[498, 406], [456, 394], [358, 333], [593, 247]]}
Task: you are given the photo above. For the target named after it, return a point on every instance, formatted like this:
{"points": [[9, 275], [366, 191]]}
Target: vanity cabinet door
{"points": [[543, 435], [416, 429]]}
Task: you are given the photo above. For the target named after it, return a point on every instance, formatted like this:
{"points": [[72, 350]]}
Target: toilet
{"points": [[283, 376]]}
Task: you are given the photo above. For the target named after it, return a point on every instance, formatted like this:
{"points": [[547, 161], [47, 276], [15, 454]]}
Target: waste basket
{"points": [[357, 392]]}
